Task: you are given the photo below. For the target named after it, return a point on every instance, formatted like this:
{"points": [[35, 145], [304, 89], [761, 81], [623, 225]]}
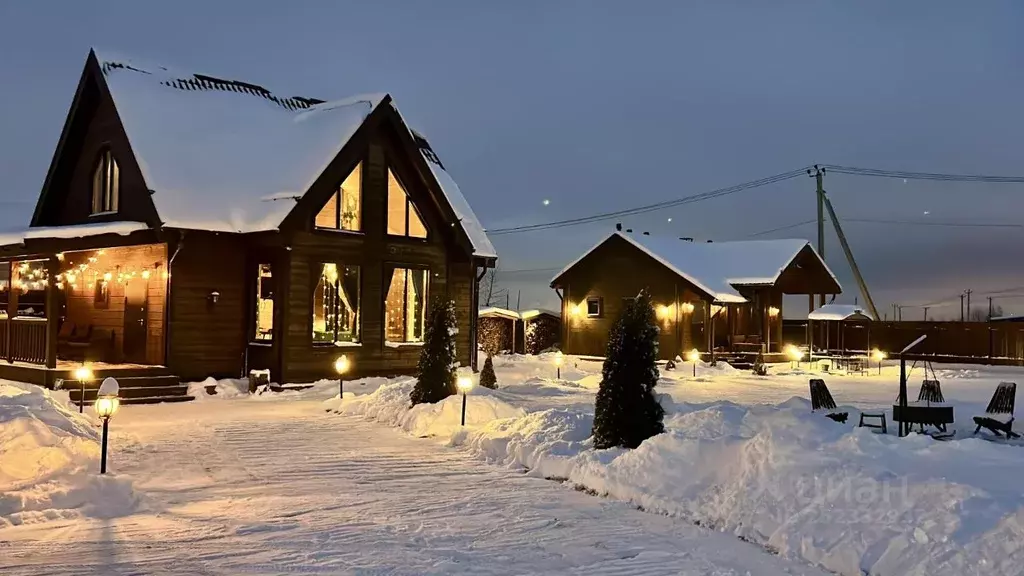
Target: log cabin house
{"points": [[721, 297], [193, 226]]}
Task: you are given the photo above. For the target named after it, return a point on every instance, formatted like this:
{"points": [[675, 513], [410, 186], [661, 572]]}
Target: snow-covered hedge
{"points": [[49, 461]]}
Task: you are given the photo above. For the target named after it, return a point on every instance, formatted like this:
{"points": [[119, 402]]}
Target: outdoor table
{"points": [[925, 414]]}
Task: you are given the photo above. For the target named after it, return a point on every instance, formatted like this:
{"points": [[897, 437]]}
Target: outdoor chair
{"points": [[931, 392], [998, 416], [821, 399]]}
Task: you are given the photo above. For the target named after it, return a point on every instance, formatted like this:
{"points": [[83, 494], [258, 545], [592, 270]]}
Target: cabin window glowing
{"points": [[336, 312], [264, 303], [405, 305], [403, 218], [344, 209], [106, 182]]}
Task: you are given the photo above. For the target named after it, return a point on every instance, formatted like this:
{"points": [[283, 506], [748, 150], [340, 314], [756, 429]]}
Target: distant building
{"points": [[722, 295]]}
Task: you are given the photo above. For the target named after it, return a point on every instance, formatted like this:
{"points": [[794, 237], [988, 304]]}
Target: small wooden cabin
{"points": [[716, 296], [201, 226]]}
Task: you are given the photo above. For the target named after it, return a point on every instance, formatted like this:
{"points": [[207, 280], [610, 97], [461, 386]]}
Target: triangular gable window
{"points": [[403, 218], [344, 209]]}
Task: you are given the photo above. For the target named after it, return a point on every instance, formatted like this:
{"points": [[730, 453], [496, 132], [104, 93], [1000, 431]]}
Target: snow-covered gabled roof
{"points": [[840, 312], [716, 268], [491, 311], [230, 156], [527, 314]]}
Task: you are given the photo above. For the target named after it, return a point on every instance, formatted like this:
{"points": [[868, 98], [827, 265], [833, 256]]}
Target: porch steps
{"points": [[135, 390]]}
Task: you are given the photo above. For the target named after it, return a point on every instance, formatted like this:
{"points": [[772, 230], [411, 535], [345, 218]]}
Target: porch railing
{"points": [[23, 340]]}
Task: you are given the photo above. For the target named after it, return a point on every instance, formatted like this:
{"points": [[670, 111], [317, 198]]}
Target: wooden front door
{"points": [[136, 308]]}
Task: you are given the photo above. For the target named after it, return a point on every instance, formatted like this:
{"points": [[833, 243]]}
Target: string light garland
{"points": [[33, 275]]}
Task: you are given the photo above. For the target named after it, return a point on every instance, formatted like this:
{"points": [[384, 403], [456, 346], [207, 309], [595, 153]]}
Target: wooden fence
{"points": [[995, 342]]}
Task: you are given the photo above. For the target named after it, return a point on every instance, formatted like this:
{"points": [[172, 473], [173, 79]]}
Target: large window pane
{"points": [[264, 303], [344, 209], [336, 304], [405, 306], [403, 218]]}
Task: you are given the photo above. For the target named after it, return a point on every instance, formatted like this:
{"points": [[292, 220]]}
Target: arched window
{"points": [[105, 184]]}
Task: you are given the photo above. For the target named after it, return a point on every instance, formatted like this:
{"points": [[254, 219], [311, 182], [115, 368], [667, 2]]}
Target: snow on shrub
{"points": [[389, 404], [49, 458]]}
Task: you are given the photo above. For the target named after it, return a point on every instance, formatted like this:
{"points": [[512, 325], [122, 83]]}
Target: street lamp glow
{"points": [[83, 373], [877, 355], [106, 406], [693, 355], [342, 364], [464, 384], [795, 354]]}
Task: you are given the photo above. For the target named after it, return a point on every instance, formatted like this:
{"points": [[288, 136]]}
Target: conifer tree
{"points": [[487, 377], [626, 411], [436, 379]]}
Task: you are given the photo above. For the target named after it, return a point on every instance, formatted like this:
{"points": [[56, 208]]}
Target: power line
{"points": [[907, 175], [781, 228], [652, 207], [947, 224]]}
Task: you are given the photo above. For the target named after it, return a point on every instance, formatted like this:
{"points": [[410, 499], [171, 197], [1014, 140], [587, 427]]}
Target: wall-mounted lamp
{"points": [[214, 297], [686, 307]]}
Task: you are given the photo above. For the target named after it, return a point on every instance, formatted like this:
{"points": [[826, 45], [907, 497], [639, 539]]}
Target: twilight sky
{"points": [[599, 106]]}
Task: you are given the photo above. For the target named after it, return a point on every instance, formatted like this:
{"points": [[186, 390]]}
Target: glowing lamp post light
{"points": [[559, 359], [877, 355], [82, 374], [106, 405], [773, 312], [341, 366], [464, 384], [693, 356], [795, 354]]}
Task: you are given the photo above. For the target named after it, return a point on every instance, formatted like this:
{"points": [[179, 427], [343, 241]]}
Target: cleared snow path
{"points": [[247, 487]]}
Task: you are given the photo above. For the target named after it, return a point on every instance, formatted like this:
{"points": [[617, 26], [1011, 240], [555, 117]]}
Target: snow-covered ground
{"points": [[301, 481], [274, 484], [744, 454]]}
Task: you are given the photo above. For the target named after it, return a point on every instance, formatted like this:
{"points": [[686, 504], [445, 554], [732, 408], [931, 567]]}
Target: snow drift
{"points": [[841, 497], [49, 458]]}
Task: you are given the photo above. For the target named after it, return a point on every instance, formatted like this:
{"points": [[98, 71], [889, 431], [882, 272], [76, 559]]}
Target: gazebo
{"points": [[837, 318]]}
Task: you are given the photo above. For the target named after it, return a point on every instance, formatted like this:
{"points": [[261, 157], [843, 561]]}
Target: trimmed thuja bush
{"points": [[627, 412], [436, 379], [487, 377]]}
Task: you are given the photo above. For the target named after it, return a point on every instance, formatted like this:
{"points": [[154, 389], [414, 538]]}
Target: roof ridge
{"points": [[191, 81]]}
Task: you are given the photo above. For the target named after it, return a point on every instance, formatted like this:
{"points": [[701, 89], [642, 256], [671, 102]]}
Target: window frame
{"points": [[389, 270], [316, 272], [337, 195], [105, 196], [600, 306], [410, 207], [255, 323]]}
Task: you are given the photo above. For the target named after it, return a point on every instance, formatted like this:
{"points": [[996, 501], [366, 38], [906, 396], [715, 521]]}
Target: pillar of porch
{"points": [[52, 311], [12, 309]]}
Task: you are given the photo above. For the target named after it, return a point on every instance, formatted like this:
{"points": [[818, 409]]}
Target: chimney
{"points": [[618, 226], [647, 233], [629, 230], [687, 239]]}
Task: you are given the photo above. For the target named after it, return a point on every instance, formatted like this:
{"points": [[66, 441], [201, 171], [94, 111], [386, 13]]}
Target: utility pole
{"points": [[989, 308], [819, 177], [926, 313], [962, 307], [968, 292], [893, 311]]}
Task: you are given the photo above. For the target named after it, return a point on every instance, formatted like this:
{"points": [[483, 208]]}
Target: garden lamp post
{"points": [[773, 313], [693, 356], [558, 365], [106, 405], [341, 365], [795, 354], [82, 373], [877, 355], [464, 384]]}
